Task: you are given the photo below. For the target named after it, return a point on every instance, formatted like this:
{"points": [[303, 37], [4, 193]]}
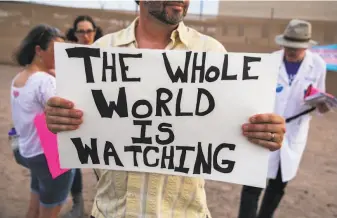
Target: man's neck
{"points": [[152, 33]]}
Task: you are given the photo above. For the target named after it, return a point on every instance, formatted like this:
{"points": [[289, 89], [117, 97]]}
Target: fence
{"points": [[237, 34]]}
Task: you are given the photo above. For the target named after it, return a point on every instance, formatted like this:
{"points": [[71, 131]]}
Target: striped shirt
{"points": [[123, 194]]}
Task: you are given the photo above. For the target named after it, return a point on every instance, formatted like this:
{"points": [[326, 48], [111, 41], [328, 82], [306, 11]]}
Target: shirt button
{"points": [[131, 195]]}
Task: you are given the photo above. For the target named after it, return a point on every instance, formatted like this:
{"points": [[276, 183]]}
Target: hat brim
{"points": [[291, 44]]}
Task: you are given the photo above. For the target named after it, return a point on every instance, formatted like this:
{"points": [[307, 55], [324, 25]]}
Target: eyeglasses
{"points": [[82, 32]]}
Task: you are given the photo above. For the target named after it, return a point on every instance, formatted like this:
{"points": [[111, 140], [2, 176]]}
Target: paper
{"points": [[49, 144], [164, 111], [317, 98], [314, 96]]}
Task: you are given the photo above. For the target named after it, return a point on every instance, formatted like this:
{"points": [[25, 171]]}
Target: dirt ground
{"points": [[313, 194]]}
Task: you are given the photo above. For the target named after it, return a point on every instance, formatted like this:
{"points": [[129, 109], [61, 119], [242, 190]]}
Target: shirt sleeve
{"points": [[322, 77], [47, 89], [104, 41], [213, 45]]}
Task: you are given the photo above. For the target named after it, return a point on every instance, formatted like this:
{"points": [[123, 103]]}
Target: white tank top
{"points": [[26, 103]]}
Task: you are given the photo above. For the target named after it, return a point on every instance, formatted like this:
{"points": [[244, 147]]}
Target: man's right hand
{"points": [[61, 115]]}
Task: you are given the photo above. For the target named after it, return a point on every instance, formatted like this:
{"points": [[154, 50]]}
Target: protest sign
{"points": [[169, 112]]}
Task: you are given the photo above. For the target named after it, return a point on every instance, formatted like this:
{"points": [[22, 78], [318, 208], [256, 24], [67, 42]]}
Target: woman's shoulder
{"points": [[39, 79]]}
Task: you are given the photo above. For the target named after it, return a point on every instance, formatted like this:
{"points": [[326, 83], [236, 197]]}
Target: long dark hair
{"points": [[71, 32], [40, 35]]}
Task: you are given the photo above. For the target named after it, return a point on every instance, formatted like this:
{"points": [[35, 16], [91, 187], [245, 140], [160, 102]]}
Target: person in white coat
{"points": [[299, 68]]}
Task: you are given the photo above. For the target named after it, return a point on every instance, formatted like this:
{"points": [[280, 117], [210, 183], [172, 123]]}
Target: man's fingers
{"points": [[276, 128], [267, 136], [55, 128], [63, 120], [272, 146], [267, 118], [61, 112], [60, 102]]}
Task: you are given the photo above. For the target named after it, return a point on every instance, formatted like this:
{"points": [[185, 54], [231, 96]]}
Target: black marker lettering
{"points": [[106, 110], [126, 68], [85, 53], [211, 102], [109, 67], [246, 68], [209, 77], [225, 76], [142, 139], [178, 106], [170, 157], [139, 103], [135, 149], [161, 104], [181, 167], [85, 151], [165, 127], [200, 68], [109, 151], [230, 164], [145, 156], [201, 162], [183, 76]]}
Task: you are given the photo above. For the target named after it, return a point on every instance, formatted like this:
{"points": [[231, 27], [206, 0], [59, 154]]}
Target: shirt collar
{"points": [[128, 35]]}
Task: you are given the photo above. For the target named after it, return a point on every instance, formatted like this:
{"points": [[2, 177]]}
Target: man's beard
{"points": [[155, 10]]}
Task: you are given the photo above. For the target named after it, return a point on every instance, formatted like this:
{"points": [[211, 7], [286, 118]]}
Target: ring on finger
{"points": [[272, 137]]}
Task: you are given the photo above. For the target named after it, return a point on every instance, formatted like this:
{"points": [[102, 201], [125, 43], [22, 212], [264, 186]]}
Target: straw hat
{"points": [[296, 35]]}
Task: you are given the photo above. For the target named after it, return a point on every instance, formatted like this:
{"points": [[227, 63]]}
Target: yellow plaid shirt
{"points": [[123, 194]]}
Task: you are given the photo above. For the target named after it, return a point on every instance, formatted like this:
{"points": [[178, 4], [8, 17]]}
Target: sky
{"points": [[210, 7]]}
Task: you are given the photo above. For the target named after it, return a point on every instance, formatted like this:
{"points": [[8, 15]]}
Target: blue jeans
{"points": [[19, 159], [52, 192]]}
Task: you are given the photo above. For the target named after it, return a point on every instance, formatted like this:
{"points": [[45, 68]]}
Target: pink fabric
{"points": [[49, 144], [313, 91]]}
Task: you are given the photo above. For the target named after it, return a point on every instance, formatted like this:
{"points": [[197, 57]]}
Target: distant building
{"points": [[310, 10]]}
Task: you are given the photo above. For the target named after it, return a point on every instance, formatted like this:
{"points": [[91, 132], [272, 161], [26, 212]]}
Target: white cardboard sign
{"points": [[162, 111]]}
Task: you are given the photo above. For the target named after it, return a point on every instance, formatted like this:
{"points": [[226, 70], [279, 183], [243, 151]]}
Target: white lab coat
{"points": [[289, 102]]}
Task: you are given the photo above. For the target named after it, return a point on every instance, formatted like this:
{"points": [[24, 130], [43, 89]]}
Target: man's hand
{"points": [[61, 115], [266, 130], [323, 107]]}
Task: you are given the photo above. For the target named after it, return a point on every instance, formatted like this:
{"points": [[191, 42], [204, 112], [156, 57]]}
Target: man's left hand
{"points": [[323, 107], [266, 130]]}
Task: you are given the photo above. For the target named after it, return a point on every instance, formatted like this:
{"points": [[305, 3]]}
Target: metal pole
{"points": [[270, 26], [201, 8]]}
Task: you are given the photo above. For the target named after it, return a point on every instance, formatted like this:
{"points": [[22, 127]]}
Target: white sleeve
{"points": [[46, 90], [322, 74], [321, 79]]}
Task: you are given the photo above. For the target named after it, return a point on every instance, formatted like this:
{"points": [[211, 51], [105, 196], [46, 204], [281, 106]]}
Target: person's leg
{"points": [[272, 196], [51, 212], [34, 202], [249, 202], [52, 192], [77, 185], [77, 196]]}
